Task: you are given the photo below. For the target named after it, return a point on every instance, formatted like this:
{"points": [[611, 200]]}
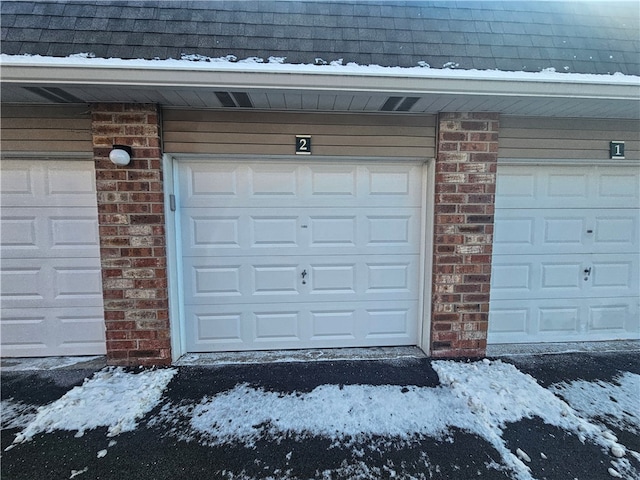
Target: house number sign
{"points": [[616, 149], [303, 144]]}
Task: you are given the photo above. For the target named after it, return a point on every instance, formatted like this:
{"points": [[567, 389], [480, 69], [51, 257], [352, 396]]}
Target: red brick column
{"points": [[132, 235], [463, 233]]}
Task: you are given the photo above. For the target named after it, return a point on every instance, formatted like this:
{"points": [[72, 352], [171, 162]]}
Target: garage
{"points": [[566, 253], [284, 255], [50, 269]]}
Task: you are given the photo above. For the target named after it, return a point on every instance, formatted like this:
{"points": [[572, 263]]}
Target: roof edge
{"points": [[221, 73]]}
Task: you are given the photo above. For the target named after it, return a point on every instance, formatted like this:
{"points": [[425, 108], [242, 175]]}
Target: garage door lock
{"points": [[587, 273]]}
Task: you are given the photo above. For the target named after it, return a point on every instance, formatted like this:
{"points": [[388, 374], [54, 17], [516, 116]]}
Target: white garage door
{"points": [[566, 254], [283, 255], [50, 269]]}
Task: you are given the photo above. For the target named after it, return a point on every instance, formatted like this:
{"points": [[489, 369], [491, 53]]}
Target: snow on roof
{"points": [[206, 64], [573, 36]]}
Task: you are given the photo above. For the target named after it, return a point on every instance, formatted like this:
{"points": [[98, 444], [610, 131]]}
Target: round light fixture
{"points": [[120, 155]]}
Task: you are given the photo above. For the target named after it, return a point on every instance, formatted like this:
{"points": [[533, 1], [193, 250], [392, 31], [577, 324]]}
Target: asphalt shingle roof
{"points": [[579, 37]]}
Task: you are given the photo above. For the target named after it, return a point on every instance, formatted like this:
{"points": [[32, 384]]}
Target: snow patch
{"points": [[616, 402], [336, 67], [112, 398], [16, 414], [75, 473], [45, 363], [480, 398]]}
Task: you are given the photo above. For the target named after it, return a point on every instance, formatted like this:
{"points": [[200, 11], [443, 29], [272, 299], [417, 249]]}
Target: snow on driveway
{"points": [[112, 398], [481, 398], [616, 402]]}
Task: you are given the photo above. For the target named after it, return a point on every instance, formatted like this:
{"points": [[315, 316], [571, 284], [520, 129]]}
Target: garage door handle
{"points": [[304, 274], [587, 272]]}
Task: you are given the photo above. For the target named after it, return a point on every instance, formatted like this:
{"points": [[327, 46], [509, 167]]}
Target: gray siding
{"points": [[566, 138], [50, 129], [261, 133]]}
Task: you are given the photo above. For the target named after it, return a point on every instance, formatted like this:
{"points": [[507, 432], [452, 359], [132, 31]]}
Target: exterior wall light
{"points": [[120, 155]]}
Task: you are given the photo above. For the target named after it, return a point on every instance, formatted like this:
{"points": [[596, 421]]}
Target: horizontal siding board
{"points": [[562, 144], [566, 138], [296, 118], [522, 133], [49, 123], [293, 128], [41, 111], [261, 133], [47, 129], [45, 146], [61, 134], [509, 122], [556, 155], [324, 150], [277, 139]]}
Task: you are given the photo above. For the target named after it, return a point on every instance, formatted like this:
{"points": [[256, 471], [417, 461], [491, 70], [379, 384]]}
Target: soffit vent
{"points": [[399, 104], [234, 99], [54, 94]]}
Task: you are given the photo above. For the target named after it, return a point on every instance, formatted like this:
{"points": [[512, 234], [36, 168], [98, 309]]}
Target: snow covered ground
{"points": [[482, 398], [111, 398]]}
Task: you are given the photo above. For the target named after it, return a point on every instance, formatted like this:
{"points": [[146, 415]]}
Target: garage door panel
{"points": [[50, 282], [21, 283], [290, 255], [552, 231], [268, 184], [46, 331], [49, 232], [566, 261], [307, 325], [616, 230], [525, 187], [50, 277], [618, 186], [314, 231], [613, 315], [615, 274], [564, 320], [531, 277], [228, 280], [27, 183]]}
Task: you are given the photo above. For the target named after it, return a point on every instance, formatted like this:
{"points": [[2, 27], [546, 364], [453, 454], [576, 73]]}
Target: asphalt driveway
{"points": [[409, 418]]}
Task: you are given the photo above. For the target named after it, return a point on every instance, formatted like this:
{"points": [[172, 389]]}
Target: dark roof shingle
{"points": [[583, 37]]}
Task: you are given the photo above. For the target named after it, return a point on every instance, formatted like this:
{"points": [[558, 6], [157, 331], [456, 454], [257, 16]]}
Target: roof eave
{"points": [[301, 78]]}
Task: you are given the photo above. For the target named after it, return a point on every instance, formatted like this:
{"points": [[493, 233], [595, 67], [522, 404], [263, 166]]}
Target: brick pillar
{"points": [[132, 235], [463, 233]]}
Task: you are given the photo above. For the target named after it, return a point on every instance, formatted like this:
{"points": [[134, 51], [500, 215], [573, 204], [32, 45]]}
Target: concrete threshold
{"points": [[289, 356], [509, 350], [52, 363], [320, 355]]}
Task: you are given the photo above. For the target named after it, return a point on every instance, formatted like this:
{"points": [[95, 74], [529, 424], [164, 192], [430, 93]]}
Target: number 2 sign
{"points": [[303, 144]]}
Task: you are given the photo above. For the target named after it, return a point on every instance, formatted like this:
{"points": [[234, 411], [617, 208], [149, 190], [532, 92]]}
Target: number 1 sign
{"points": [[616, 149]]}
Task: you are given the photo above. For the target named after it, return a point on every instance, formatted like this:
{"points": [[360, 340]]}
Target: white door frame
{"points": [[174, 236]]}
